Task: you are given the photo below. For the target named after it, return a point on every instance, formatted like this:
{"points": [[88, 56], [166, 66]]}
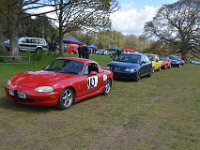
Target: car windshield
{"points": [[65, 66], [150, 57], [163, 58], [132, 58], [175, 58]]}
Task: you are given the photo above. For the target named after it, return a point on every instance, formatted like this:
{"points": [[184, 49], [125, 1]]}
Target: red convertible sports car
{"points": [[60, 83]]}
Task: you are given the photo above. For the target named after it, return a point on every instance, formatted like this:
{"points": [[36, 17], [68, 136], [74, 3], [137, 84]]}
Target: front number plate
{"points": [[21, 95]]}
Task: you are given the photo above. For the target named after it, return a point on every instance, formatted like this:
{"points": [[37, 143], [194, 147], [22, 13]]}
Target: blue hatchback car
{"points": [[176, 61], [131, 66]]}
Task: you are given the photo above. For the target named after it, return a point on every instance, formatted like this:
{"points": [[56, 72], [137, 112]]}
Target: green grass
{"points": [[162, 112]]}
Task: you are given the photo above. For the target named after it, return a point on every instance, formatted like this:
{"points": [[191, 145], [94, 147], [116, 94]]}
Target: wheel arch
{"points": [[111, 80], [71, 87], [39, 47]]}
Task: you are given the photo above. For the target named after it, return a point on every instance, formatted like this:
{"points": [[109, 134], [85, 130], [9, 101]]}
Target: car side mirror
{"points": [[157, 60], [93, 73], [143, 62]]}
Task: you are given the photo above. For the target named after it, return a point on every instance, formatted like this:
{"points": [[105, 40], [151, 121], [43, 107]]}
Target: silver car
{"points": [[32, 44]]}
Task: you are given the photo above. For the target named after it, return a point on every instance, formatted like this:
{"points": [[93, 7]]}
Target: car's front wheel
{"points": [[66, 98], [137, 77], [39, 51], [107, 87], [150, 73]]}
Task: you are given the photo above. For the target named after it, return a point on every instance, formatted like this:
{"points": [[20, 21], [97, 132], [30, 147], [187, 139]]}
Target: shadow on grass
{"points": [[12, 106], [8, 105]]}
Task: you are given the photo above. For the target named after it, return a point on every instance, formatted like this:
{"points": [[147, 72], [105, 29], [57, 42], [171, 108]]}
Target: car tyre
{"points": [[137, 78], [150, 73], [107, 87], [66, 99]]}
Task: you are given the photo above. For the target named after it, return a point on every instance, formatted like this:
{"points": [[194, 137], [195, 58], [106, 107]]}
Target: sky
{"points": [[133, 14]]}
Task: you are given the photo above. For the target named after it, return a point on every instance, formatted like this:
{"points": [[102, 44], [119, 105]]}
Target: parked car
{"points": [[182, 62], [185, 60], [175, 60], [156, 63], [6, 44], [30, 44], [102, 52], [131, 66], [61, 82], [197, 62], [166, 62]]}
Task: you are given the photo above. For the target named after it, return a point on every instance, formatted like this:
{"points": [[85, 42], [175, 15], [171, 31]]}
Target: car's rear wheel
{"points": [[107, 87], [66, 98]]}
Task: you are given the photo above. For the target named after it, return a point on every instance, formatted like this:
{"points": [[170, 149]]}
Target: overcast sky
{"points": [[133, 14]]}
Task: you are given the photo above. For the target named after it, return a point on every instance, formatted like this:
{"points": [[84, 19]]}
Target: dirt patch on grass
{"points": [[117, 138]]}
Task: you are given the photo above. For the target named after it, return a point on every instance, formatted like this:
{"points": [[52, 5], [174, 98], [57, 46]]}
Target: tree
{"points": [[85, 15], [177, 24], [40, 26]]}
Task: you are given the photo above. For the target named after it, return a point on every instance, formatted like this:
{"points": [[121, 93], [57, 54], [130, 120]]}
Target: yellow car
{"points": [[156, 62]]}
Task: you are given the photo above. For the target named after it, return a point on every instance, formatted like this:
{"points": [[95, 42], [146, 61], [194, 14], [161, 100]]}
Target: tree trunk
{"points": [[61, 50], [184, 49], [60, 28], [184, 53], [13, 36]]}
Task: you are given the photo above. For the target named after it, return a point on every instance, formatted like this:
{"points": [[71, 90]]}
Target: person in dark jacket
{"points": [[85, 52], [80, 51]]}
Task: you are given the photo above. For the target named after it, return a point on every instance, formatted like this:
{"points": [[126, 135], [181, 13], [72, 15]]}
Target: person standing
{"points": [[80, 51], [85, 52]]}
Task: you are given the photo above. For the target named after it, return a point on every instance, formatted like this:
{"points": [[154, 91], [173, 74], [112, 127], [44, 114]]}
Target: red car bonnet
{"points": [[39, 78]]}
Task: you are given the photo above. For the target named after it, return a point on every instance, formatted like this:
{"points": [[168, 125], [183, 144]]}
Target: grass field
{"points": [[162, 112]]}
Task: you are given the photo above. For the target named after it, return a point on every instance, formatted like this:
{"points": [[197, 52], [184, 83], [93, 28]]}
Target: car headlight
{"points": [[44, 89], [130, 70], [9, 83]]}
